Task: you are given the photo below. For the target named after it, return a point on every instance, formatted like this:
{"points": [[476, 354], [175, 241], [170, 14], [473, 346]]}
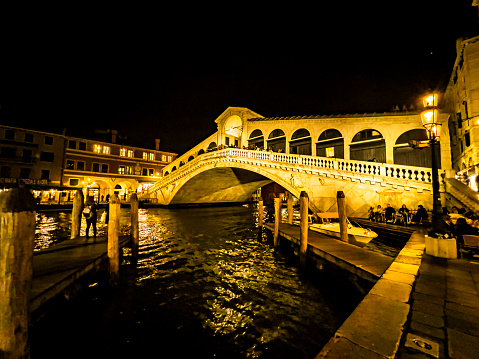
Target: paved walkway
{"points": [[444, 315], [55, 268]]}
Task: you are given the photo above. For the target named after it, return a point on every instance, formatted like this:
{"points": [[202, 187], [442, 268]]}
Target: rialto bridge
{"points": [[367, 156]]}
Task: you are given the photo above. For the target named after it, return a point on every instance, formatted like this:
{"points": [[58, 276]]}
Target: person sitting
{"points": [[379, 214], [390, 213], [403, 214], [420, 215], [462, 227]]}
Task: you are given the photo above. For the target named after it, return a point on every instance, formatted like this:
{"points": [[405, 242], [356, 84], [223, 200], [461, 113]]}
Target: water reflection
{"points": [[205, 286]]}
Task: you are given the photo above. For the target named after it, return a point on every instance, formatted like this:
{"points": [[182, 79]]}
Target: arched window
{"points": [[300, 143], [277, 140], [173, 169], [191, 158], [256, 139], [412, 149], [368, 145], [211, 147], [182, 163], [330, 144], [166, 173], [200, 152]]}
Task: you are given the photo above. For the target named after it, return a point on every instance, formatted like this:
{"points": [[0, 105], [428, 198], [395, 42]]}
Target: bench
{"points": [[471, 243]]}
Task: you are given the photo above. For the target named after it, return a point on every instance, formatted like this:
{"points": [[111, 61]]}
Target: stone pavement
{"points": [[421, 307], [444, 317]]}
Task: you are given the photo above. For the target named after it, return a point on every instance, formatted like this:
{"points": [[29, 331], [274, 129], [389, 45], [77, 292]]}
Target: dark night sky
{"points": [[169, 73]]}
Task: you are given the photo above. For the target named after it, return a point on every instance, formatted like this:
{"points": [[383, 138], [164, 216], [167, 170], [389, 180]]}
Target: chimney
{"points": [[113, 136], [157, 144]]}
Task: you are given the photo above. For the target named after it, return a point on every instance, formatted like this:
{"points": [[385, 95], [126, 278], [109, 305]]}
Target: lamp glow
{"points": [[430, 100]]}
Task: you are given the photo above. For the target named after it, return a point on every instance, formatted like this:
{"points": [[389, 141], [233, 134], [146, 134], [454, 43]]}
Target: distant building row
{"points": [[54, 165]]}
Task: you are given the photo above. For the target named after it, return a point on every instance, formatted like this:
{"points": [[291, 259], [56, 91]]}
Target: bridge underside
{"points": [[220, 185]]}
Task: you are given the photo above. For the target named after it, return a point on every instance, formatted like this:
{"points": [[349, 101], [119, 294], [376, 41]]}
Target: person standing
{"points": [[89, 211]]}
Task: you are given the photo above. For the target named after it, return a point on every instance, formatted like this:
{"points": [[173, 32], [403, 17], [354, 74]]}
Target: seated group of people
{"points": [[403, 214]]}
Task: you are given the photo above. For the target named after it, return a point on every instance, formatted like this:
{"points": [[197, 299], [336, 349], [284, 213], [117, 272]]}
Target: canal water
{"points": [[206, 286]]}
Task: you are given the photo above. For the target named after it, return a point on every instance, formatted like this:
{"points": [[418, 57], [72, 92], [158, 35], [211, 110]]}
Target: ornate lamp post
{"points": [[429, 118]]}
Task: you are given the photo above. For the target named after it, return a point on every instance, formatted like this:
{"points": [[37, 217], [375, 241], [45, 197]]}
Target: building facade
{"points": [[54, 166], [461, 101]]}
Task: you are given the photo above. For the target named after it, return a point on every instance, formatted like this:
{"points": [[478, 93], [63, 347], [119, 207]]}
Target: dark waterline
{"points": [[206, 286]]}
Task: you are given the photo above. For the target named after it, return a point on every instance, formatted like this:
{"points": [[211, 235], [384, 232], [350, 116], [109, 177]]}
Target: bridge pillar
{"points": [[277, 218], [304, 227]]}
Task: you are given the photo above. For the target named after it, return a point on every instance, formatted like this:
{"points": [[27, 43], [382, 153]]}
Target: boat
{"points": [[328, 223]]}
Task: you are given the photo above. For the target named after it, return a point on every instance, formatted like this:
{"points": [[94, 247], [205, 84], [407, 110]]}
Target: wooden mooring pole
{"points": [[304, 227], [135, 234], [17, 235], [343, 220], [260, 213], [277, 219], [290, 208], [113, 239], [76, 214]]}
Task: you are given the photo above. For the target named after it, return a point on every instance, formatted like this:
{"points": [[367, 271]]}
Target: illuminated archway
{"points": [[368, 145], [277, 140], [412, 149], [233, 130], [330, 144], [256, 139], [300, 143]]}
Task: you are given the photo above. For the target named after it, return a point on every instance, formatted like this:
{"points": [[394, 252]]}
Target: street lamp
{"points": [[429, 118]]}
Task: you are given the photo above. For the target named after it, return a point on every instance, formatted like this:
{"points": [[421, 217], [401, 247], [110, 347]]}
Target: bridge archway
{"points": [[256, 139], [367, 145], [233, 130], [330, 144], [300, 143], [404, 154], [212, 146], [277, 141]]}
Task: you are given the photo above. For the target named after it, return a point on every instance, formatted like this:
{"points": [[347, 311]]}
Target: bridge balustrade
{"points": [[402, 172]]}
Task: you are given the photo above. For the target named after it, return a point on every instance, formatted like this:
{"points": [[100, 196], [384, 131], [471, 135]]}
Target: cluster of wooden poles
{"points": [[304, 220], [17, 235]]}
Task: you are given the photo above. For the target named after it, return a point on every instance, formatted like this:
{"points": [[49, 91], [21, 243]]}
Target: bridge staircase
{"points": [[460, 195]]}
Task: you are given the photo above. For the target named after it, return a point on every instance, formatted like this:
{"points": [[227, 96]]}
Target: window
{"points": [[104, 168], [49, 140], [70, 165], [29, 137], [329, 151], [130, 153], [163, 158], [95, 167], [123, 152], [46, 156], [144, 171], [45, 175], [72, 144], [106, 150], [8, 152], [74, 181], [467, 139], [151, 171], [9, 134], [80, 166], [129, 170], [459, 120], [27, 156], [25, 172], [82, 146], [121, 170], [97, 148], [5, 171], [170, 158], [145, 155], [152, 157]]}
